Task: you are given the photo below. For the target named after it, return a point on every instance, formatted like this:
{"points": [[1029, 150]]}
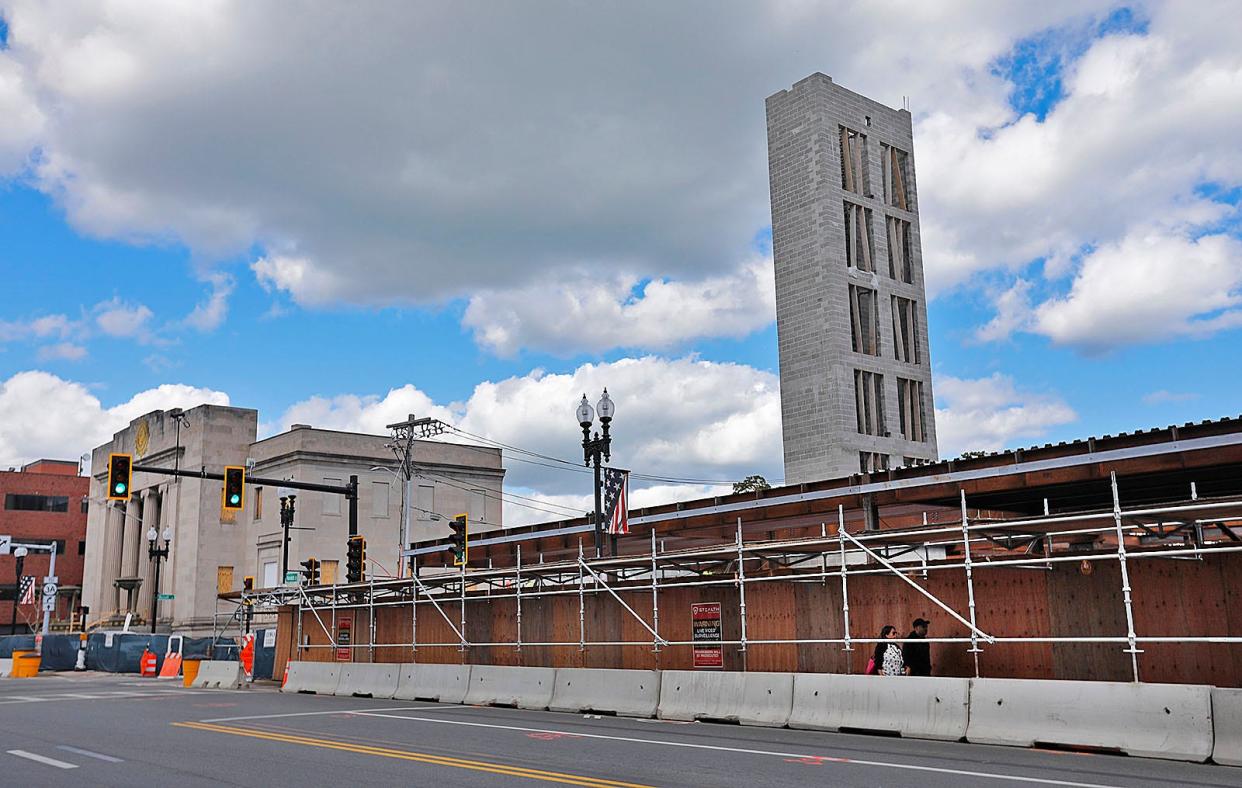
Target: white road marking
{"points": [[43, 759], [446, 707], [688, 745], [89, 754]]}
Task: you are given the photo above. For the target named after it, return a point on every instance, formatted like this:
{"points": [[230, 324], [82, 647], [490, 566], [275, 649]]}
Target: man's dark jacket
{"points": [[918, 656]]}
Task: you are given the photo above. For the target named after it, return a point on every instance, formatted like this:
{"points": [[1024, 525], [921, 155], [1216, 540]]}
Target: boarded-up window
{"points": [[269, 575], [900, 265], [872, 461], [327, 572], [864, 320], [895, 165], [910, 406], [224, 579], [854, 162], [859, 245], [905, 330], [869, 402]]}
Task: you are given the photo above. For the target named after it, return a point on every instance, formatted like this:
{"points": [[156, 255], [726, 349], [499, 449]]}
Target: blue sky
{"points": [[360, 246]]}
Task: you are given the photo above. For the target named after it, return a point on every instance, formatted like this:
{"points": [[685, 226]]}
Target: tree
{"points": [[751, 484], [972, 455]]}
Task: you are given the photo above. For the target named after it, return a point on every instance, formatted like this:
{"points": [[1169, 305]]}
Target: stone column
{"points": [[143, 559], [114, 541], [129, 546]]}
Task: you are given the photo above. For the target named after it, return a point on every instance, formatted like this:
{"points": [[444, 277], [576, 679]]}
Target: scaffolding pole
{"points": [[845, 588], [970, 584], [518, 583], [741, 588], [655, 597], [1125, 578]]}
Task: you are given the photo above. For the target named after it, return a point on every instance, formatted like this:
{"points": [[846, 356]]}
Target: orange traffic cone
{"points": [[147, 666]]}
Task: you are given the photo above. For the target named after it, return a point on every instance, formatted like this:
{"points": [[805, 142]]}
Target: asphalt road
{"points": [[101, 730]]}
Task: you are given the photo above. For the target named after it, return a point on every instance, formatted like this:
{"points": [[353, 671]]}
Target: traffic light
{"points": [[356, 558], [460, 539], [234, 487], [120, 469], [310, 570], [248, 583]]}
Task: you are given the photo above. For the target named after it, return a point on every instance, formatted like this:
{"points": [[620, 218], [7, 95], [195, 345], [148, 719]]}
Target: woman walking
{"points": [[887, 659]]}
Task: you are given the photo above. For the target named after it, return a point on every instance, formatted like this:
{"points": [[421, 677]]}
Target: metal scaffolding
{"points": [[1190, 529]]}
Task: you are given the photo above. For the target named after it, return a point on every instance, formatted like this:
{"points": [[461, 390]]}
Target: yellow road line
{"points": [[406, 755]]}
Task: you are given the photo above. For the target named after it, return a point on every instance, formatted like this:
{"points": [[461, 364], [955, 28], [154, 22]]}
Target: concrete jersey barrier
{"points": [[1171, 721], [6, 667], [377, 680], [913, 706], [443, 683], [321, 678], [629, 693], [218, 674], [747, 698], [1227, 726], [497, 685]]}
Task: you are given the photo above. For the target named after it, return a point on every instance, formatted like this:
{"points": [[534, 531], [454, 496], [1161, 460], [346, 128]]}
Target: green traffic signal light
{"points": [[120, 468], [235, 499], [120, 488]]}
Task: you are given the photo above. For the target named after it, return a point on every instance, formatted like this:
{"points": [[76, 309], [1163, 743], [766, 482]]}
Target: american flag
{"points": [[27, 594], [617, 500]]}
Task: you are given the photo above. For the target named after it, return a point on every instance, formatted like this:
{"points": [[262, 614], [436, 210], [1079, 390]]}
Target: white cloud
{"points": [[682, 418], [62, 351], [41, 328], [1013, 312], [559, 140], [589, 314], [210, 314], [1163, 396], [117, 318], [1146, 288], [42, 415], [990, 414], [23, 120]]}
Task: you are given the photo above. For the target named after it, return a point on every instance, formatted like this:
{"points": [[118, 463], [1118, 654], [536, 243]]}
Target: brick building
{"points": [[851, 313], [43, 502]]}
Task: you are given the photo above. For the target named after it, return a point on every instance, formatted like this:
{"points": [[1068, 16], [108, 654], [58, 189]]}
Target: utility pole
{"points": [[404, 433]]}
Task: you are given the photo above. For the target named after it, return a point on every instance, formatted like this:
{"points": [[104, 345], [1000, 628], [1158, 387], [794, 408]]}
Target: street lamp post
{"points": [[157, 554], [19, 553], [597, 449], [287, 503]]}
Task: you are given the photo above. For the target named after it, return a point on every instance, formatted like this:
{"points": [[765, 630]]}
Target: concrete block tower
{"points": [[851, 311]]}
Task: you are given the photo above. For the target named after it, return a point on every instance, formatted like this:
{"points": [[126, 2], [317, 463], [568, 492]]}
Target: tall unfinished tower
{"points": [[851, 313]]}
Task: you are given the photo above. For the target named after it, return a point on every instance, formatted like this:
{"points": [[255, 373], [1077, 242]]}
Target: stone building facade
{"points": [[213, 550], [851, 311]]}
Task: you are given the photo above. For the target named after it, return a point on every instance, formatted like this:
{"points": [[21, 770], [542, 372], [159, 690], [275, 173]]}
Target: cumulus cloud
{"points": [[1146, 288], [606, 146], [992, 413], [42, 415], [680, 418], [210, 314], [116, 318], [588, 315], [62, 351]]}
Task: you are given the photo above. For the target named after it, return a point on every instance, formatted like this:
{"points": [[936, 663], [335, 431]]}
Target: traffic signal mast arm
{"points": [[347, 490]]}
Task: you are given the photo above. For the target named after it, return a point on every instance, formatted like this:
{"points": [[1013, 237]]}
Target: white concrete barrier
{"points": [[218, 674], [1152, 720], [913, 706], [377, 680], [6, 667], [748, 698], [498, 685], [1227, 726], [424, 681], [321, 678], [629, 693]]}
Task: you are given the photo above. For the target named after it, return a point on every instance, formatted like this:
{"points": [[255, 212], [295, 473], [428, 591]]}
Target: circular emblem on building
{"points": [[142, 439]]}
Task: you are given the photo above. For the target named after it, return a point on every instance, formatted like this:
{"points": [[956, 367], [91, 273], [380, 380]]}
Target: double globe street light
{"points": [[157, 554], [595, 450]]}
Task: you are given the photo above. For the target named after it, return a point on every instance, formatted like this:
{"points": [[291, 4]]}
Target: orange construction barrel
{"points": [[189, 670], [25, 664]]}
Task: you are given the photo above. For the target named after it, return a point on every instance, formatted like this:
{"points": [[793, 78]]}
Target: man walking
{"points": [[918, 654]]}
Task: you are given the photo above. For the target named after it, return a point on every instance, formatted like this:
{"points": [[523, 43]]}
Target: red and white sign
{"points": [[343, 639], [706, 634]]}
